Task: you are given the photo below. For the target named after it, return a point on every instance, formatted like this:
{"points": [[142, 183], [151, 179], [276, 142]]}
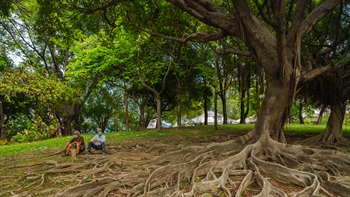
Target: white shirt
{"points": [[99, 139]]}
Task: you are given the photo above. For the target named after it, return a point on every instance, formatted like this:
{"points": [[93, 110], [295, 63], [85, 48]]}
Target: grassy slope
{"points": [[118, 138]]}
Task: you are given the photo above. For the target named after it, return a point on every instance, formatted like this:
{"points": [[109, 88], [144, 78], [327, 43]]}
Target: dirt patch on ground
{"points": [[117, 172]]}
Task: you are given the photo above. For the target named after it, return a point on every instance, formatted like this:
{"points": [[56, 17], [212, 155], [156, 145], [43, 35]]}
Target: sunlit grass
{"points": [[162, 136], [312, 129]]}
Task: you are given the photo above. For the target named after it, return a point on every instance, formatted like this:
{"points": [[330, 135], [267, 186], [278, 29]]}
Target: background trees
{"points": [[97, 43]]}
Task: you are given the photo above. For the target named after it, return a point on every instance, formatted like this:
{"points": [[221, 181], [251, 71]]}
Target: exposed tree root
{"points": [[330, 142], [92, 188], [209, 173], [241, 167]]}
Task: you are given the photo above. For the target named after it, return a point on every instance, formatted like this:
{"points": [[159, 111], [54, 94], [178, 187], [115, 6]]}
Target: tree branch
{"points": [[230, 51], [317, 14], [210, 14], [297, 21], [318, 71], [198, 36]]}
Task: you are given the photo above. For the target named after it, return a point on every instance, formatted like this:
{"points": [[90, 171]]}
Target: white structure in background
{"points": [[199, 120], [153, 124]]}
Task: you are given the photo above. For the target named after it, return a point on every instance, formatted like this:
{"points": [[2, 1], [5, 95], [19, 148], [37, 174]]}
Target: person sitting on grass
{"points": [[98, 142], [77, 142]]}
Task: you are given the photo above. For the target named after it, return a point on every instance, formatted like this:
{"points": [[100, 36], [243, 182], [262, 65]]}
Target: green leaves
{"points": [[33, 85], [101, 53], [6, 6]]}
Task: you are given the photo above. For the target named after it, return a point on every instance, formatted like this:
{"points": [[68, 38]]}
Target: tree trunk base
{"points": [[326, 141]]}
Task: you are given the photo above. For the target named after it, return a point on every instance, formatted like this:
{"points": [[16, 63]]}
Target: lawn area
{"points": [[164, 135]]}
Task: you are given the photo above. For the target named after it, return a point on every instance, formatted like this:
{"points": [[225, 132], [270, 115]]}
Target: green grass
{"points": [[17, 149], [312, 129]]}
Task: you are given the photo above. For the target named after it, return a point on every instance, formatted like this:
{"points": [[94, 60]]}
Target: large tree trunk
{"points": [[273, 112], [67, 124], [70, 111], [334, 130], [333, 134]]}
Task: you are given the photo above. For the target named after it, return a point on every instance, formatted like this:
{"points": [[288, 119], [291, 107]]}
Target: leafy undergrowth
{"points": [[41, 173]]}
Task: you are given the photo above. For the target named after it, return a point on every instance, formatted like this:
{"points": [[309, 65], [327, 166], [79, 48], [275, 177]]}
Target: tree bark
{"points": [[126, 103], [247, 87], [243, 114], [142, 117], [242, 91], [215, 110], [159, 111], [67, 118], [319, 119], [179, 103], [67, 124], [2, 122], [334, 130], [273, 114], [205, 103], [224, 104], [301, 104]]}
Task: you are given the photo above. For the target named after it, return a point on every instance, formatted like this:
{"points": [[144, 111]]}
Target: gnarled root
{"points": [[267, 163], [326, 141], [245, 166], [102, 186]]}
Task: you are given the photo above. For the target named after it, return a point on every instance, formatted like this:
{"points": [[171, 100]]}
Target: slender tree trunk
{"points": [[319, 119], [334, 129], [179, 92], [2, 122], [222, 94], [301, 105], [224, 111], [246, 91], [126, 103], [159, 112], [241, 94], [179, 113], [243, 117], [142, 117], [215, 110], [205, 110], [247, 107]]}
